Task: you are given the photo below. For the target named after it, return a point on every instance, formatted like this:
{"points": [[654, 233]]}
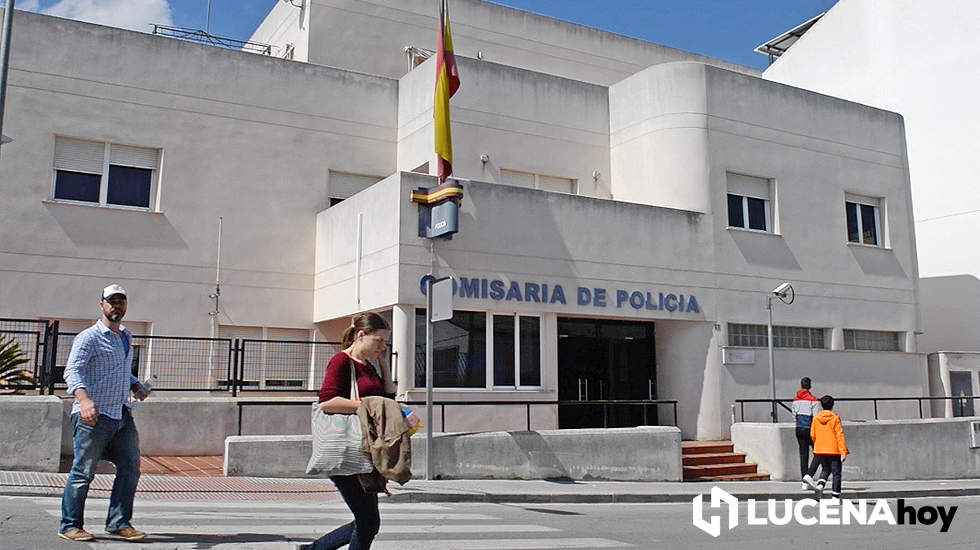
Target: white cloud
{"points": [[137, 15], [28, 5]]}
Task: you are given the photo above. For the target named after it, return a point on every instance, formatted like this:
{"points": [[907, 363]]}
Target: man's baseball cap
{"points": [[112, 290]]}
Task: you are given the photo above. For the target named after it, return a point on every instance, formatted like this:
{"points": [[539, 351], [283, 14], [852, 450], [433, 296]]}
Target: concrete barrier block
{"points": [[624, 454], [268, 455], [30, 432], [931, 448]]}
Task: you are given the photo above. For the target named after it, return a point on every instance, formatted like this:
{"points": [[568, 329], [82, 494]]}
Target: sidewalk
{"points": [[158, 487]]}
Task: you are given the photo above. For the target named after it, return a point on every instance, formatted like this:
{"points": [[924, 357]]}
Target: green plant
{"points": [[12, 357]]}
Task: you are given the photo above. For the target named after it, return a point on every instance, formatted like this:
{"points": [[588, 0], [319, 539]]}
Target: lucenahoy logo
{"points": [[808, 511]]}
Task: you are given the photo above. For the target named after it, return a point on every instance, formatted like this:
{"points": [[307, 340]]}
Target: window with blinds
{"points": [[749, 204], [537, 181], [757, 336], [107, 174]]}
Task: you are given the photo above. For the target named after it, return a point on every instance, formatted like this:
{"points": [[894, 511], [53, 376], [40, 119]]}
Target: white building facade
{"points": [[910, 57], [620, 227]]}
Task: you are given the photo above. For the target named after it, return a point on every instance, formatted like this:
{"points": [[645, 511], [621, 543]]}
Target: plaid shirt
{"points": [[100, 364]]}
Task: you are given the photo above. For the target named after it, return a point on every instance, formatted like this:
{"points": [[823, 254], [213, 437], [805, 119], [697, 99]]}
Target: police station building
{"points": [[627, 208]]}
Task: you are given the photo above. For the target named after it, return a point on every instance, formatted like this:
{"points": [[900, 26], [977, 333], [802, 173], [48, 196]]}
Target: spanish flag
{"points": [[447, 82]]}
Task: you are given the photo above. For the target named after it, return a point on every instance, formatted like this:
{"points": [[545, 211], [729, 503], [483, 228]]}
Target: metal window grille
{"points": [[757, 336], [871, 340]]}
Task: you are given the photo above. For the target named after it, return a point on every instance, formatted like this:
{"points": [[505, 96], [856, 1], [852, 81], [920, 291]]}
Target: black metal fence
{"points": [[36, 340], [855, 408], [182, 363]]}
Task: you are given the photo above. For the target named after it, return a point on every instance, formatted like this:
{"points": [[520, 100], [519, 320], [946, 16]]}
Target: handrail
{"points": [[241, 403], [741, 402]]}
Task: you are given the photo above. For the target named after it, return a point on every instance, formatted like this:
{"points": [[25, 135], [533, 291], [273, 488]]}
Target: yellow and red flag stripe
{"points": [[439, 193], [447, 82]]}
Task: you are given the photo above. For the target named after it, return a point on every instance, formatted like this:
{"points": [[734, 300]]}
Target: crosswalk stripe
{"points": [[280, 529], [102, 504], [300, 515], [498, 544], [430, 544]]}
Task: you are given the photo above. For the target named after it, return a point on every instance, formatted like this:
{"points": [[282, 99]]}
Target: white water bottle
{"points": [[147, 387], [148, 383]]}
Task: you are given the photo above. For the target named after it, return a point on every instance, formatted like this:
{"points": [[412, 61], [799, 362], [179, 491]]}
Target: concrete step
{"points": [[713, 458], [733, 477], [717, 470], [706, 447]]}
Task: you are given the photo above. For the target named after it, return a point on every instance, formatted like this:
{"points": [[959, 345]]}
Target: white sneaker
{"points": [[821, 483], [805, 487], [808, 481]]}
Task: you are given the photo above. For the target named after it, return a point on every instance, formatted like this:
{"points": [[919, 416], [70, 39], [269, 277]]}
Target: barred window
{"points": [[871, 340], [757, 336]]}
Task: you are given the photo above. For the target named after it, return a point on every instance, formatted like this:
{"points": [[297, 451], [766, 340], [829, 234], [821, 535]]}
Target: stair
{"points": [[717, 461]]}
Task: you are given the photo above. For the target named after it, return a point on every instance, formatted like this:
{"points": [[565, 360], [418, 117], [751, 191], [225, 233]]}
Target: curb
{"points": [[640, 498]]}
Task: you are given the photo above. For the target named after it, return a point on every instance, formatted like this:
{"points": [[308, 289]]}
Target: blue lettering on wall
{"points": [[543, 293], [497, 290], [531, 292], [514, 293], [558, 296], [469, 288]]}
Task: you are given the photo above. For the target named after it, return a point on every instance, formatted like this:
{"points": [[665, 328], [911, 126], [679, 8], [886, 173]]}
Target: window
{"points": [[871, 340], [344, 185], [748, 203], [537, 181], [757, 336], [460, 355], [105, 173], [462, 352], [523, 351], [863, 221]]}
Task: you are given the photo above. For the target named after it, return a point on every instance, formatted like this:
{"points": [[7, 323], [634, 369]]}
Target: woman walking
{"points": [[363, 341]]}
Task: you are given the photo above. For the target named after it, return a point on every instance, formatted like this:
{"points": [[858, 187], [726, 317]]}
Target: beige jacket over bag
{"points": [[385, 438]]}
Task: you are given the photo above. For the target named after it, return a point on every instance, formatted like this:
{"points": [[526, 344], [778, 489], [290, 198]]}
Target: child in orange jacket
{"points": [[829, 447]]}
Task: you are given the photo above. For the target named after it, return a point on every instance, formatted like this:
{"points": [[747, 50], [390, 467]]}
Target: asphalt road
{"points": [[32, 523]]}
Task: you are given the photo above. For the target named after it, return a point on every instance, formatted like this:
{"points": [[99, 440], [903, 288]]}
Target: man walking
{"points": [[99, 376], [805, 407]]}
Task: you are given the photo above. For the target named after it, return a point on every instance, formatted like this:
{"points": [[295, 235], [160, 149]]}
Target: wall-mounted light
{"points": [[479, 55], [484, 158], [595, 175]]}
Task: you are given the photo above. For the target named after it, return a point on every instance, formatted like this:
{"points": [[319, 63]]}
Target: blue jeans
{"points": [[118, 442], [359, 534]]}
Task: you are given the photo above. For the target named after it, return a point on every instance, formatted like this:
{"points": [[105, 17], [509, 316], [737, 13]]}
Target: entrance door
{"points": [[961, 385], [605, 360]]}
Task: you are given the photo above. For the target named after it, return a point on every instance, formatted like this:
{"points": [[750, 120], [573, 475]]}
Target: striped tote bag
{"points": [[337, 442]]}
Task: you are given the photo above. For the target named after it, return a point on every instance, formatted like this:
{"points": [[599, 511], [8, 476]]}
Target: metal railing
{"points": [[36, 340], [961, 401], [242, 403], [201, 36]]}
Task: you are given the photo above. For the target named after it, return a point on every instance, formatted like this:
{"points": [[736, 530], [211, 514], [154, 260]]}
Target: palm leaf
{"points": [[12, 357]]}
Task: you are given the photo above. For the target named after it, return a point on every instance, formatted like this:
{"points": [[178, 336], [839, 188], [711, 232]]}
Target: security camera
{"points": [[782, 290]]}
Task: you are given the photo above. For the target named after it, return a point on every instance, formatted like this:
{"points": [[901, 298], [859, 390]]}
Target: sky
{"points": [[723, 29]]}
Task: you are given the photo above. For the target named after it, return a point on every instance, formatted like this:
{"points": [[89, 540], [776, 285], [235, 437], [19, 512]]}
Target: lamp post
{"points": [[8, 21], [781, 292]]}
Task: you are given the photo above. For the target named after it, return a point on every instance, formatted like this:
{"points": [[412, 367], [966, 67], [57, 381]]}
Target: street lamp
{"points": [[782, 292]]}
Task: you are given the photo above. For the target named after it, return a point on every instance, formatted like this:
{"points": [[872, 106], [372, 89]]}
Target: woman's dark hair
{"points": [[368, 322]]}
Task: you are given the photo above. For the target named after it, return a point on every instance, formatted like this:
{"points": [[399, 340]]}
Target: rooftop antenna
{"points": [[207, 23]]}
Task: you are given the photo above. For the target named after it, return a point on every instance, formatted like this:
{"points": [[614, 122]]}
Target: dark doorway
{"points": [[605, 360]]}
